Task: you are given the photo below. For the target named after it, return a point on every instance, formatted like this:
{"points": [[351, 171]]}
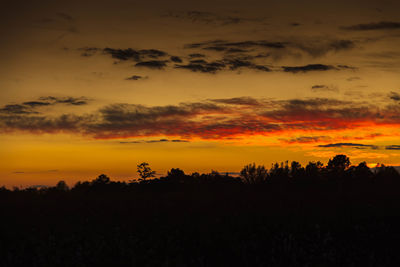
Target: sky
{"points": [[92, 87]]}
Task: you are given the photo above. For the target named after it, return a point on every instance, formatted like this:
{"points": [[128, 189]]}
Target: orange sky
{"points": [[98, 87]]}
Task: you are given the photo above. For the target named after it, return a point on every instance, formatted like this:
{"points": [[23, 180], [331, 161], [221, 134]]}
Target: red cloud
{"points": [[210, 119]]}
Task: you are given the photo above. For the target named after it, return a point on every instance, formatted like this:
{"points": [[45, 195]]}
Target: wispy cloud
{"points": [[135, 78], [351, 145], [324, 88], [393, 147], [33, 107], [211, 18], [155, 141], [382, 25], [307, 68], [306, 139]]}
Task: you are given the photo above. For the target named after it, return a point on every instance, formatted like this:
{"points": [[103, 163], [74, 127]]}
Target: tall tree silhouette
{"points": [[145, 171]]}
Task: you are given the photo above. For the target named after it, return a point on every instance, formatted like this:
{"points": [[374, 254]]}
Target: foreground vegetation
{"points": [[288, 215]]}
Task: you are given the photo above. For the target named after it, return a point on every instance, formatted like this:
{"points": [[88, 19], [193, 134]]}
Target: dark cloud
{"points": [[308, 68], [152, 53], [249, 44], [236, 50], [338, 45], [326, 114], [17, 109], [352, 145], [260, 68], [75, 101], [383, 25], [135, 55], [154, 141], [324, 88], [157, 141], [315, 47], [123, 54], [134, 78], [394, 96], [235, 63], [203, 66], [248, 101], [216, 48], [36, 103], [195, 16], [320, 46], [319, 87], [196, 55], [346, 67], [200, 65], [202, 44], [198, 61], [350, 79], [88, 51], [393, 147], [222, 45], [306, 139], [152, 64], [42, 124], [176, 59], [31, 107]]}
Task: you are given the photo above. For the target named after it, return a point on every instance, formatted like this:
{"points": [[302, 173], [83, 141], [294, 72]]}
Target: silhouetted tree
{"points": [[387, 174], [279, 172], [176, 172], [339, 163], [102, 179], [62, 186], [362, 171], [313, 169], [81, 186], [296, 170], [145, 171], [252, 174], [195, 175], [3, 189]]}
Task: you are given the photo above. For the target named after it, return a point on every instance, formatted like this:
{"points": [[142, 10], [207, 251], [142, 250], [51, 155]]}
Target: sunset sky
{"points": [[92, 87]]}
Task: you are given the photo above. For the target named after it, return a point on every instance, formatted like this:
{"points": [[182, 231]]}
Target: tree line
{"points": [[337, 170], [336, 214]]}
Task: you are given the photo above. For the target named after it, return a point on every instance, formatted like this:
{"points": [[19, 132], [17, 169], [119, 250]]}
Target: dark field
{"points": [[289, 216]]}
